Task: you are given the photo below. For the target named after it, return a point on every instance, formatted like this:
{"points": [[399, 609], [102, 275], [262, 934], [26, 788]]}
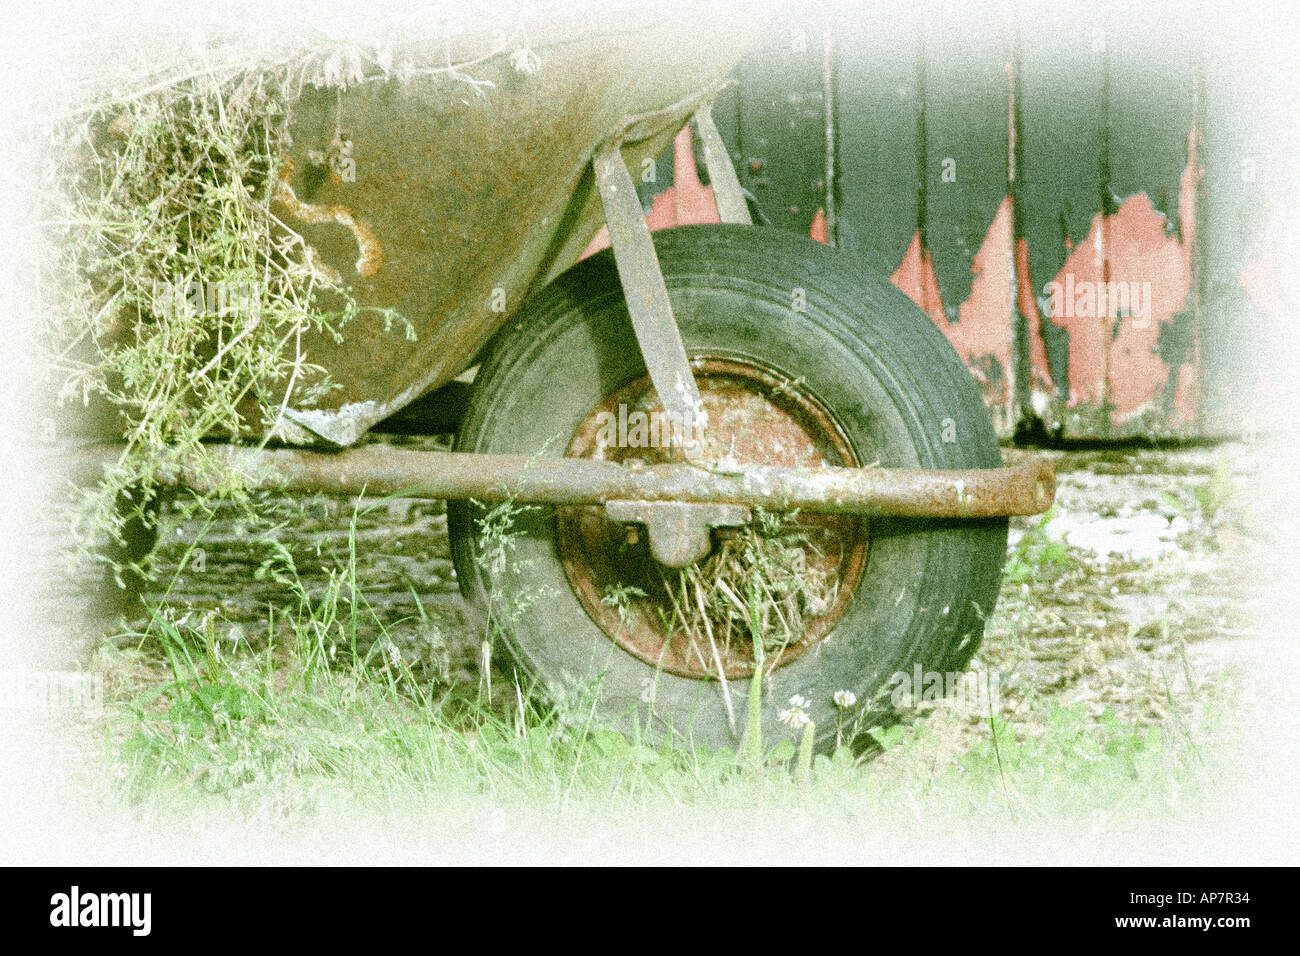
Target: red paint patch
{"points": [[819, 229], [687, 202], [1125, 280], [1112, 353], [916, 277], [982, 332]]}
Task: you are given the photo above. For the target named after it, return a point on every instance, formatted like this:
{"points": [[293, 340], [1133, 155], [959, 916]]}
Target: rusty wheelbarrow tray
{"points": [[462, 201], [459, 202]]}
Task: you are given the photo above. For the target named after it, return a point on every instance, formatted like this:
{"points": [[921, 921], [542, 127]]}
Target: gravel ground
{"points": [[1150, 605]]}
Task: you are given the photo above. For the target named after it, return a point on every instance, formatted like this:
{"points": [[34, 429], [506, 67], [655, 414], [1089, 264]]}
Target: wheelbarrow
{"points": [[642, 412]]}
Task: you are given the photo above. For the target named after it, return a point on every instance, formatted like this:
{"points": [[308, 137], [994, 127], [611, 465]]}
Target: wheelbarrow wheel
{"points": [[802, 357]]}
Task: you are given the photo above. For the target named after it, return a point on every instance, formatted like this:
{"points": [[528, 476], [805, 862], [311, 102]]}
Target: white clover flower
{"points": [[794, 718], [796, 715], [844, 699]]}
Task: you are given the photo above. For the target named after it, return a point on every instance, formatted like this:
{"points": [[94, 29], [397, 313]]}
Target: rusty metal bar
{"points": [[727, 194], [378, 470], [645, 292]]}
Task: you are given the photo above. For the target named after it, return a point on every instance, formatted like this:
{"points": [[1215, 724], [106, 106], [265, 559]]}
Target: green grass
{"points": [[279, 731], [284, 731], [303, 717]]}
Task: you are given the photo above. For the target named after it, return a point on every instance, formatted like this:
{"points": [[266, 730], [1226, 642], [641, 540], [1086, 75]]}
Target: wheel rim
{"points": [[756, 416]]}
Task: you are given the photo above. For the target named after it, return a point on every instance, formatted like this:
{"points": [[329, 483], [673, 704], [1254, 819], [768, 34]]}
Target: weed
{"points": [[1038, 552]]}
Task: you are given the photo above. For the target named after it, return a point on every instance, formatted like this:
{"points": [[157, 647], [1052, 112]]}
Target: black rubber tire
{"points": [[879, 365]]}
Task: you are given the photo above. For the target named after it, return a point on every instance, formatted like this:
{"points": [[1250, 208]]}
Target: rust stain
{"points": [[320, 267], [751, 418], [371, 254]]}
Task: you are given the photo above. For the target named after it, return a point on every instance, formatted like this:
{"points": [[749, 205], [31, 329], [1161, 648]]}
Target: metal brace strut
{"points": [[638, 265]]}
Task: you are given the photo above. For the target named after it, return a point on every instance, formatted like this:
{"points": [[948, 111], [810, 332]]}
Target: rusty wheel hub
{"points": [[754, 417]]}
